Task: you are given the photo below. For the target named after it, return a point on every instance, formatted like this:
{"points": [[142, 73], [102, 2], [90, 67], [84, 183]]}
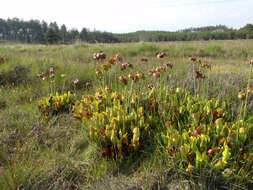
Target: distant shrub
{"points": [[3, 59], [17, 75], [189, 50], [242, 52], [213, 51], [2, 104], [142, 48]]}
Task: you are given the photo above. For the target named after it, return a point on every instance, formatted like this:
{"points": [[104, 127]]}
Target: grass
{"points": [[56, 152]]}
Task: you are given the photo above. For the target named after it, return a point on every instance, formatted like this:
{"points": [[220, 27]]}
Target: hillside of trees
{"points": [[41, 32]]}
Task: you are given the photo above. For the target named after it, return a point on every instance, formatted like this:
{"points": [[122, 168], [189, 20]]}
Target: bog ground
{"points": [[175, 115]]}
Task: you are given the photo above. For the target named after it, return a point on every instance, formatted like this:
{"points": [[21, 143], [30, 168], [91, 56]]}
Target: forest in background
{"points": [[41, 32]]}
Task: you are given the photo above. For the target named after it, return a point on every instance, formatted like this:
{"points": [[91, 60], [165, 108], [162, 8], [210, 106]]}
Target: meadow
{"points": [[174, 115]]}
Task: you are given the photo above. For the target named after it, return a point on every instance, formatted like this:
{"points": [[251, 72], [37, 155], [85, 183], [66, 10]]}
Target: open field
{"points": [[140, 125]]}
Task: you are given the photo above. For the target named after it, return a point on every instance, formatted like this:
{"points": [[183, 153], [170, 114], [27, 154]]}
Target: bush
{"points": [[17, 75], [213, 51], [57, 104], [3, 59]]}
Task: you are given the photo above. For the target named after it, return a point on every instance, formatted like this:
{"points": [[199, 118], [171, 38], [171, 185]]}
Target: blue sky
{"points": [[120, 16]]}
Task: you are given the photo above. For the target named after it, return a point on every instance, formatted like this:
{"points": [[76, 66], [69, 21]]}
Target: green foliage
{"points": [[57, 104], [247, 31], [213, 51], [196, 132], [3, 59], [176, 138], [35, 31], [117, 123], [199, 134], [52, 37], [14, 76]]}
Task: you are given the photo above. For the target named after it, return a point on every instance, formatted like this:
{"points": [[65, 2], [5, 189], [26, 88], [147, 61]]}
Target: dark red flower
{"points": [[193, 58], [143, 59], [199, 75], [88, 85], [123, 80], [168, 64], [160, 55], [106, 153], [150, 86]]}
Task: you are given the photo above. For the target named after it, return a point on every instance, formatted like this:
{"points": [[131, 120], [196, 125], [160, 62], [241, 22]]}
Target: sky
{"points": [[122, 16]]}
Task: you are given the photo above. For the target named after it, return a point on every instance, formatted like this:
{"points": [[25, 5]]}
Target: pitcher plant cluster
{"points": [[195, 132]]}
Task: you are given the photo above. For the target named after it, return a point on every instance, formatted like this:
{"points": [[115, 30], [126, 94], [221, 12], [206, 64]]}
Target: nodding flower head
{"points": [[98, 72], [51, 75], [199, 75], [193, 58], [76, 81], [51, 70], [132, 77], [160, 69], [250, 90], [205, 66], [150, 72], [123, 80], [168, 64], [125, 65], [130, 65], [143, 59], [112, 61], [160, 55], [88, 85], [251, 62], [241, 95], [99, 97], [150, 86], [140, 75], [108, 89], [157, 75], [99, 56], [117, 58]]}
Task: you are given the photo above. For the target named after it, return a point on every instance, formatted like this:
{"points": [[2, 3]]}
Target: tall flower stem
{"points": [[247, 95], [130, 94], [63, 86]]}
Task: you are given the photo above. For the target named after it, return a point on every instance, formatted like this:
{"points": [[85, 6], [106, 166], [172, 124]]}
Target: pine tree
{"points": [[52, 37]]}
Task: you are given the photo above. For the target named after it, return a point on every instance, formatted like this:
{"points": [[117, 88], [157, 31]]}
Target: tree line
{"points": [[35, 31]]}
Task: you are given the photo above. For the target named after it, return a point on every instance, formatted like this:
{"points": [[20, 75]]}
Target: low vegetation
{"points": [[127, 116]]}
